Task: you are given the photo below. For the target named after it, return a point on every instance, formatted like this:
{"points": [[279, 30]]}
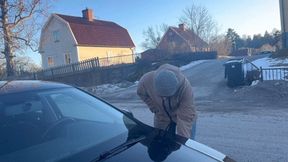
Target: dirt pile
{"points": [[267, 91]]}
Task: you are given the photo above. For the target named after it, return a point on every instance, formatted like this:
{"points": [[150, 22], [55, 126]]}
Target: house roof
{"points": [[190, 37], [98, 32]]}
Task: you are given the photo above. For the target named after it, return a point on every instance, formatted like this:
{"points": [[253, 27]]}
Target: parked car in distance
{"points": [[46, 121]]}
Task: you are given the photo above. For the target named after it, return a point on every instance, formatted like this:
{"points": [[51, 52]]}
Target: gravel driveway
{"points": [[248, 123]]}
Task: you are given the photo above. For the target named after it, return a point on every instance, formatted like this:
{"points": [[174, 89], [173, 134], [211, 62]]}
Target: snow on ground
{"points": [[192, 64], [278, 74], [254, 83], [110, 88], [270, 62]]}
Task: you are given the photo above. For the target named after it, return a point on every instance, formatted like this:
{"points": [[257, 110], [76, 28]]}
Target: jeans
{"points": [[193, 132]]}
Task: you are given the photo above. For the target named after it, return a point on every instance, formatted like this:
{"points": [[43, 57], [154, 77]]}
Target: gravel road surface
{"points": [[248, 123]]}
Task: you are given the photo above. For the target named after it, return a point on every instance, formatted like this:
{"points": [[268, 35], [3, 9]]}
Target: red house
{"points": [[182, 40]]}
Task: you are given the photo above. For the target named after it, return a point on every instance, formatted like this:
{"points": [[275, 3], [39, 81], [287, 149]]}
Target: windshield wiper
{"points": [[118, 149]]}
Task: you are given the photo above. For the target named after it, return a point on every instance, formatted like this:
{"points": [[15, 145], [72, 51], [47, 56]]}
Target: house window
{"points": [[50, 61], [56, 36], [173, 44], [67, 58], [193, 49]]}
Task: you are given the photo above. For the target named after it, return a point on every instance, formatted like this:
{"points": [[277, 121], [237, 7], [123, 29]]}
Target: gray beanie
{"points": [[166, 83]]}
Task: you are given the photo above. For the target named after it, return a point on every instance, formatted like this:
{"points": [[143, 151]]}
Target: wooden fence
{"points": [[86, 65]]}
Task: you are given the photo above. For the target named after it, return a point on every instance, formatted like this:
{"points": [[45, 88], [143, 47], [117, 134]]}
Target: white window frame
{"points": [[55, 34], [51, 62], [193, 49], [67, 58]]}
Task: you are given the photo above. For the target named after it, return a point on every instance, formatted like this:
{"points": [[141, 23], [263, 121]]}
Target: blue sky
{"points": [[245, 16]]}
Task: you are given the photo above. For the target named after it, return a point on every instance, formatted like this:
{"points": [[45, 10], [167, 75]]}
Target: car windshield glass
{"points": [[62, 121]]}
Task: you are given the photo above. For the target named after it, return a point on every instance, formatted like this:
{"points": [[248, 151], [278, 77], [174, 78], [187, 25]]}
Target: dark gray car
{"points": [[45, 121]]}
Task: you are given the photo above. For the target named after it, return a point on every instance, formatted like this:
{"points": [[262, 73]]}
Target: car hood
{"points": [[183, 153], [153, 145], [157, 147]]}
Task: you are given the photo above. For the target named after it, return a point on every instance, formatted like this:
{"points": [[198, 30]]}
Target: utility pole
{"points": [[284, 22]]}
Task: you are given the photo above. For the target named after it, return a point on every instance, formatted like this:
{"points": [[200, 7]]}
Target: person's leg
{"points": [[193, 133]]}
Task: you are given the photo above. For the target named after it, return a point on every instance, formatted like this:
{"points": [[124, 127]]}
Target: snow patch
{"points": [[113, 88], [192, 64], [263, 62], [110, 88], [270, 62], [254, 83]]}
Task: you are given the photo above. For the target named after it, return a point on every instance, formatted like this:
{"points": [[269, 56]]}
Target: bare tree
{"points": [[221, 44], [153, 36], [200, 21], [276, 35], [23, 64], [2, 69], [19, 25]]}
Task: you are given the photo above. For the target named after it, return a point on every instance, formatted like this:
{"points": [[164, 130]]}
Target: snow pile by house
{"points": [[275, 64], [192, 64], [110, 88], [270, 62]]}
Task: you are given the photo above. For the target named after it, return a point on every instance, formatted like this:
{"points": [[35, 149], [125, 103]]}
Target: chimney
{"points": [[182, 27], [88, 14]]}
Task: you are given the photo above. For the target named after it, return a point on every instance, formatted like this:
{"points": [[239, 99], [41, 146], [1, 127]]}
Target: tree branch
{"points": [[27, 43], [18, 18]]}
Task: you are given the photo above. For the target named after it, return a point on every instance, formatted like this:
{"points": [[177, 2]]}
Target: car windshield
{"points": [[64, 120]]}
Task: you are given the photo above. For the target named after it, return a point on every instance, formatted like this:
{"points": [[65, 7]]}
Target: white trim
{"points": [[42, 30], [52, 59], [77, 50], [205, 150], [69, 57], [46, 24], [68, 25]]}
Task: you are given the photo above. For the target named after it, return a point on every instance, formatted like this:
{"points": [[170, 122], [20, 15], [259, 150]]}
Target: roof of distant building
{"points": [[190, 37]]}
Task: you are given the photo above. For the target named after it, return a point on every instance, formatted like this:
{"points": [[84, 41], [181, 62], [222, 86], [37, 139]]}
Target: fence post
{"points": [[261, 71], [52, 73], [98, 62], [94, 63], [73, 68]]}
